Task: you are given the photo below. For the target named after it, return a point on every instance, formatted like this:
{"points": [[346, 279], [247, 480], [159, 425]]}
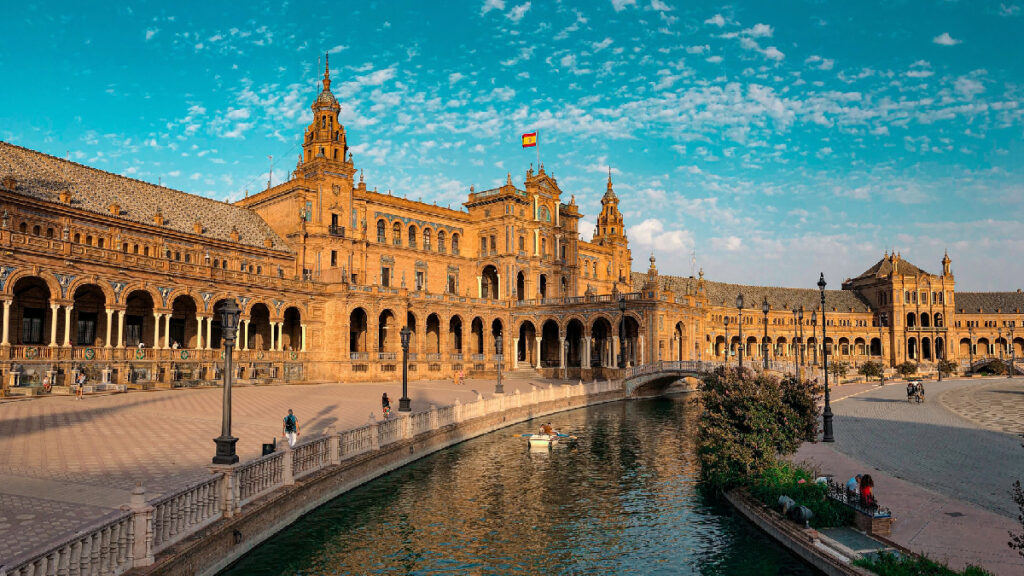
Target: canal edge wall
{"points": [[817, 550], [227, 540]]}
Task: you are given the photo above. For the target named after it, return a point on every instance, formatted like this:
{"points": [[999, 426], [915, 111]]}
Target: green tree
{"points": [[1017, 540], [948, 367], [870, 369], [839, 368], [907, 369]]}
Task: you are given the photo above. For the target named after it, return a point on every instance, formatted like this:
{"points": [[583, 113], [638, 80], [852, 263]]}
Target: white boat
{"points": [[542, 440]]}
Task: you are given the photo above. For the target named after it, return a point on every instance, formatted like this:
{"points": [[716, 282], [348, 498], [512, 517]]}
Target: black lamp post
{"points": [[827, 415], [739, 306], [225, 442], [970, 347], [881, 356], [798, 342], [622, 332], [403, 402], [565, 359], [814, 328], [1013, 352], [728, 346], [765, 307], [498, 389]]}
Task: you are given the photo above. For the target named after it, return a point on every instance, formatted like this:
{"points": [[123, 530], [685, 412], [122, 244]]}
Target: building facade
{"points": [[125, 281]]}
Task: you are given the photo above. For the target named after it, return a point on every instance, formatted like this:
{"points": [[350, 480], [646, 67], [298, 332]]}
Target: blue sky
{"points": [[772, 139]]}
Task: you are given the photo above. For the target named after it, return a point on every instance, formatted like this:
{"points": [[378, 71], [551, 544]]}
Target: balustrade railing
{"points": [[131, 539]]}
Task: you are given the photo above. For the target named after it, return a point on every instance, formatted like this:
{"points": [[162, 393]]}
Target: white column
{"points": [[280, 337], [67, 325], [120, 328], [537, 358], [106, 342], [515, 351], [536, 242], [245, 332], [498, 276], [167, 330], [561, 352], [6, 321], [209, 332], [616, 348], [53, 323], [641, 350], [585, 347], [273, 333], [304, 338], [480, 286], [199, 332], [156, 329]]}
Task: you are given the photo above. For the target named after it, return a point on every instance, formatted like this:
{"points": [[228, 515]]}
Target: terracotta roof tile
{"points": [[989, 302], [43, 177]]}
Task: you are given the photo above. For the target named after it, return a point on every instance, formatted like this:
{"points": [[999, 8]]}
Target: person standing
{"points": [[385, 406], [79, 393], [290, 428], [867, 484]]}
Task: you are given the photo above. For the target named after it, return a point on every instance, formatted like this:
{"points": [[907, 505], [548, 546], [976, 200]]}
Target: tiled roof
{"points": [[724, 294], [884, 268], [43, 177], [989, 302]]}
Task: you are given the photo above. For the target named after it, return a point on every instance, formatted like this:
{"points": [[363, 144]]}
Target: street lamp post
{"points": [[565, 360], [622, 332], [728, 346], [739, 306], [225, 442], [403, 402], [814, 329], [765, 307], [827, 415], [796, 356], [803, 345], [1013, 352], [881, 357], [498, 388], [970, 347]]}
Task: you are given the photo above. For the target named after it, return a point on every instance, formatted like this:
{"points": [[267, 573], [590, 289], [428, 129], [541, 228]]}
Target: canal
{"points": [[622, 499]]}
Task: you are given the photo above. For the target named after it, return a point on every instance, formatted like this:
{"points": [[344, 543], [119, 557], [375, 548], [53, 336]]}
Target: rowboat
{"points": [[542, 440]]}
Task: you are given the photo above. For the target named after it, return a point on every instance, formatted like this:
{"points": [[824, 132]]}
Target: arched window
{"points": [[543, 247], [78, 237], [49, 232], [455, 244], [177, 256], [412, 236], [224, 264], [36, 230], [426, 238], [188, 258], [23, 228], [216, 263], [545, 215], [441, 237], [396, 234], [88, 240], [381, 231], [135, 249], [145, 251]]}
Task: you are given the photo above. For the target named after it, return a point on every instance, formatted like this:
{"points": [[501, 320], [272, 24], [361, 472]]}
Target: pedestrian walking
{"points": [[385, 406], [290, 428], [80, 392]]}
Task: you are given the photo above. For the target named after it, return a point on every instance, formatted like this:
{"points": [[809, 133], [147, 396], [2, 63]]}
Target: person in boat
{"points": [[547, 429]]}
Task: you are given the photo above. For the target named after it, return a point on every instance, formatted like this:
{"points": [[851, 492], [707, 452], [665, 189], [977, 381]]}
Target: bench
{"points": [[870, 518]]}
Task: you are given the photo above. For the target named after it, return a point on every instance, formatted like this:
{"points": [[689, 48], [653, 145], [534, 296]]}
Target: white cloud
{"points": [[492, 5], [516, 14], [716, 20], [968, 88], [1009, 9], [728, 243], [697, 49], [760, 31], [621, 5], [237, 113], [945, 39], [337, 49], [454, 78], [598, 46], [714, 59], [773, 53], [820, 63], [651, 235], [151, 32]]}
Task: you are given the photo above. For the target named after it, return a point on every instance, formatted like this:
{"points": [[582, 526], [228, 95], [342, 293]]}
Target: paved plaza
{"points": [[944, 467], [66, 463]]}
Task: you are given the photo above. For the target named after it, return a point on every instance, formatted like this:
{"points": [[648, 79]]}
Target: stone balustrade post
{"points": [[228, 489], [458, 410], [406, 425], [287, 465], [433, 417], [374, 433], [333, 446], [142, 521], [517, 399]]}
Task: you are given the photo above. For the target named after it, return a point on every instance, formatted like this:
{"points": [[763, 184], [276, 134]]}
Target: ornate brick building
{"points": [[125, 280]]}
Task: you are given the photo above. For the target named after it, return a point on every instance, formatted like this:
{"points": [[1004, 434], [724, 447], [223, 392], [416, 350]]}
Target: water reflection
{"points": [[620, 500]]}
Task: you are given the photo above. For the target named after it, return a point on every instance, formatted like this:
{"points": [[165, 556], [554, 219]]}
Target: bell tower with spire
{"points": [[325, 136], [611, 231]]}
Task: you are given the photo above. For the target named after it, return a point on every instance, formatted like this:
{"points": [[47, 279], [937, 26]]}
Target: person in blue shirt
{"points": [[290, 428]]}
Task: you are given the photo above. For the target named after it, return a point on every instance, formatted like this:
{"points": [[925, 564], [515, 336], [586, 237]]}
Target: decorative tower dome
{"points": [[325, 136]]}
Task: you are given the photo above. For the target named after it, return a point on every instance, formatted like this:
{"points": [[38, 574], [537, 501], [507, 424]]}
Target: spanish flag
{"points": [[529, 140]]}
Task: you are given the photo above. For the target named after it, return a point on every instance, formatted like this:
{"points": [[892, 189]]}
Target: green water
{"points": [[622, 499]]}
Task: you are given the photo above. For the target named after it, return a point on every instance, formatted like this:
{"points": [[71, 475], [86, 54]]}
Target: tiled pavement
{"points": [[66, 463], [946, 481]]}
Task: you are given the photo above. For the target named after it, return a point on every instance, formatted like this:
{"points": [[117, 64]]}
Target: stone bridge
{"points": [[967, 367], [662, 373]]}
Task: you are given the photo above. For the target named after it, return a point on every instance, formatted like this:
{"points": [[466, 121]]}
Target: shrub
{"points": [[838, 368], [948, 367], [749, 419], [889, 564], [870, 369], [784, 479], [907, 369]]}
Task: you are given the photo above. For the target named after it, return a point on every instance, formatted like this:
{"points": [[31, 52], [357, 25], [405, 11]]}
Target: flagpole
{"points": [[538, 149]]}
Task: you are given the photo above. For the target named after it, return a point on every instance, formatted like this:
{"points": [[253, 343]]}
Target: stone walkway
{"points": [[946, 481], [67, 463]]}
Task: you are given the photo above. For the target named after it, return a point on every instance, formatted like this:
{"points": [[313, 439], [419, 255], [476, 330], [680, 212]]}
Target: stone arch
{"points": [[542, 286], [139, 322], [844, 346], [520, 286], [965, 347], [412, 235], [940, 348], [939, 322], [88, 314], [912, 349], [911, 320], [387, 331], [382, 231], [527, 348], [476, 331], [678, 339], [630, 335], [549, 343], [602, 353], [876, 347], [455, 333], [358, 327], [719, 346], [31, 317], [489, 283], [427, 237], [102, 285], [259, 326], [412, 323], [926, 348], [782, 347], [498, 330], [981, 347], [574, 338], [291, 328], [184, 324], [858, 346], [925, 320], [46, 278], [433, 334]]}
